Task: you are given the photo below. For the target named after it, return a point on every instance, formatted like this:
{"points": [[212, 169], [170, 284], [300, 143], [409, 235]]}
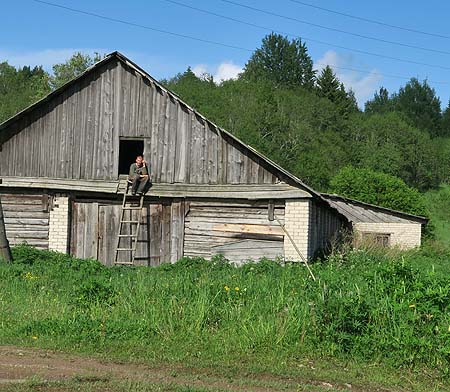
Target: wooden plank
{"points": [[183, 145], [155, 234], [166, 233], [171, 142]]}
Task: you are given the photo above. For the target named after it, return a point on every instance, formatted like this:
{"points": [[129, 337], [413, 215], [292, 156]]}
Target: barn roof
{"points": [[357, 211], [280, 172]]}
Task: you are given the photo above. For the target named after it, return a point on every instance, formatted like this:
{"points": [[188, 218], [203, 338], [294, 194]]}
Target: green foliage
{"points": [[73, 67], [438, 203], [392, 310], [389, 144], [282, 62], [418, 102], [381, 103], [378, 188], [421, 105], [20, 88], [328, 86]]}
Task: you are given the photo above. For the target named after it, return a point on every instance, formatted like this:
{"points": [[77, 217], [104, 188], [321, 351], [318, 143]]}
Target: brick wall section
{"points": [[403, 235], [59, 224], [297, 217]]}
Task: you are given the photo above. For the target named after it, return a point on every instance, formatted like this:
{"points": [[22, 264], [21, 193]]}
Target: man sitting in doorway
{"points": [[139, 176]]}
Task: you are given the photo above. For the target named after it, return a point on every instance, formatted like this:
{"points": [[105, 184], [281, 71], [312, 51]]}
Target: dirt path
{"points": [[19, 365]]}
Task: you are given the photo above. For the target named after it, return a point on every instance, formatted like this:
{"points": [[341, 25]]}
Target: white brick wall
{"points": [[403, 235], [59, 224], [297, 222]]}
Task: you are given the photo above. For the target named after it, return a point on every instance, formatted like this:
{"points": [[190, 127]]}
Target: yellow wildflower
{"points": [[412, 306], [226, 288], [236, 289], [34, 337]]}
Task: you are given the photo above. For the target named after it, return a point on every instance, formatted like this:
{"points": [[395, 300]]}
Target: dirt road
{"points": [[44, 370]]}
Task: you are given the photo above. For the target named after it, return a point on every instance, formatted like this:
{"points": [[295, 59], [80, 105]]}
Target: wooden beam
{"points": [[5, 251]]}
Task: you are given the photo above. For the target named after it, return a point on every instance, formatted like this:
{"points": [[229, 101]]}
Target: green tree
{"points": [[378, 188], [445, 124], [418, 101], [20, 88], [73, 67], [283, 62], [387, 143], [380, 103], [328, 86]]}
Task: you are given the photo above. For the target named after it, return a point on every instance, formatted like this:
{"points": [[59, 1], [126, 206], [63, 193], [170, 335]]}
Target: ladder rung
{"points": [[127, 235], [129, 221], [123, 249], [132, 208]]}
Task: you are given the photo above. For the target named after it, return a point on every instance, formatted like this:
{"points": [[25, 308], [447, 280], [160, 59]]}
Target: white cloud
{"points": [[224, 71], [199, 70], [227, 70], [47, 57], [362, 84]]}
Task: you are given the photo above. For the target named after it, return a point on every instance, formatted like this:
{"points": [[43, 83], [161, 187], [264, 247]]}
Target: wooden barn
{"points": [[64, 160]]}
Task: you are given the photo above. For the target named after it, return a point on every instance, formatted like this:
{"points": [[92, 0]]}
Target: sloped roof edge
{"points": [[119, 56], [420, 219]]}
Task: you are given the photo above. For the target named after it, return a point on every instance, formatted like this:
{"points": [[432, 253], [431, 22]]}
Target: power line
{"points": [[334, 29], [371, 20], [306, 38], [88, 13], [141, 26]]}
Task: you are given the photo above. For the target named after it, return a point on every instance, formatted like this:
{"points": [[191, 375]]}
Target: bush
{"points": [[378, 188]]}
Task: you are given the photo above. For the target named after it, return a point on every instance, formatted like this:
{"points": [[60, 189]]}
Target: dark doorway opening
{"points": [[128, 151]]}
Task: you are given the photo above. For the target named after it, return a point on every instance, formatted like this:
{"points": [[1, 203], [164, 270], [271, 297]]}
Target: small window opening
{"points": [[128, 151], [378, 239]]}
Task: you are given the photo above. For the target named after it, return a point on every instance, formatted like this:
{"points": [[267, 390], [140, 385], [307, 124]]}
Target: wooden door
{"points": [[95, 226]]}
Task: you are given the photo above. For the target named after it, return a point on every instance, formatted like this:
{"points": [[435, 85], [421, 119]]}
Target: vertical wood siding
{"points": [[76, 135], [95, 226], [326, 227]]}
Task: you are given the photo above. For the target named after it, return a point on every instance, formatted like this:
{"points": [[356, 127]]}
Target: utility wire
{"points": [[309, 39], [231, 46], [371, 20], [334, 29], [141, 26]]}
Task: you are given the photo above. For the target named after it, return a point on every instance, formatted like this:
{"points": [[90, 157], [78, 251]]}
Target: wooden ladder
{"points": [[129, 203]]}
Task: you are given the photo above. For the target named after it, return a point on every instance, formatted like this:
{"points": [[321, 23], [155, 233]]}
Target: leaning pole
{"points": [[5, 251]]}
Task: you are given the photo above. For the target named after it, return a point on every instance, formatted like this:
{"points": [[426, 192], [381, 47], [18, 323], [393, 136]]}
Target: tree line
{"points": [[302, 119]]}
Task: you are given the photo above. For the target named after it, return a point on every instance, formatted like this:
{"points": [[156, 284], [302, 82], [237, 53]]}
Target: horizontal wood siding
{"points": [[76, 135], [209, 225], [95, 226], [26, 218]]}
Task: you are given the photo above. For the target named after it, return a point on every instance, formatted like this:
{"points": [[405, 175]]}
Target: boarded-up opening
{"points": [[26, 218], [128, 151]]}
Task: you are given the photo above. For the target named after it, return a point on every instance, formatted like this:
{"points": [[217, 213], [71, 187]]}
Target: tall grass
{"points": [[438, 204], [367, 305]]}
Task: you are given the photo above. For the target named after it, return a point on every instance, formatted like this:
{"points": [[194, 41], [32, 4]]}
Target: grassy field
{"points": [[388, 314], [438, 202]]}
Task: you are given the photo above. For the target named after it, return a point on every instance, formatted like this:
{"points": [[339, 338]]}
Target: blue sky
{"points": [[34, 33]]}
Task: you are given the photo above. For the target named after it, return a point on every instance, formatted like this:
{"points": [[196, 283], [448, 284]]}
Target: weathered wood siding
{"points": [[76, 135], [326, 228], [210, 226], [26, 218], [95, 226]]}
